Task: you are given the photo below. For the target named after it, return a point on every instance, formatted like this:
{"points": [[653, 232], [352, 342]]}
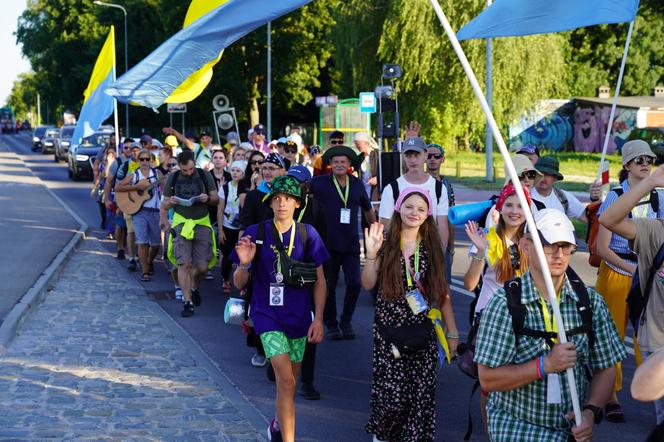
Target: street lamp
{"points": [[126, 44]]}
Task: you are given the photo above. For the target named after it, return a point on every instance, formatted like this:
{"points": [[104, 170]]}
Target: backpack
{"points": [[637, 299], [394, 184], [201, 175], [562, 198], [593, 226], [518, 311]]}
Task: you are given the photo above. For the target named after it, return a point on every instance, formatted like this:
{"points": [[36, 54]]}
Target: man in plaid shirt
{"points": [[529, 396]]}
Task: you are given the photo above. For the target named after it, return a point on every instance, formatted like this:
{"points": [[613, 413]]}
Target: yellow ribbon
{"points": [[187, 233], [495, 251], [437, 320]]}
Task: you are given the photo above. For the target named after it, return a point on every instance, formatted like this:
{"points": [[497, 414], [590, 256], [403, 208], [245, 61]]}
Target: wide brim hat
{"points": [[549, 166], [634, 149], [336, 151], [285, 184]]}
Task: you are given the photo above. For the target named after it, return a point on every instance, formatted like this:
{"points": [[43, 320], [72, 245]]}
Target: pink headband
{"points": [[407, 192]]}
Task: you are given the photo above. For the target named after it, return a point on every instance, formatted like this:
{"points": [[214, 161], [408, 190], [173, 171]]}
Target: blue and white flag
{"points": [[508, 18], [154, 79]]}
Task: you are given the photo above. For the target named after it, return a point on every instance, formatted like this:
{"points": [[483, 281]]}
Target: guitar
{"points": [[132, 202]]}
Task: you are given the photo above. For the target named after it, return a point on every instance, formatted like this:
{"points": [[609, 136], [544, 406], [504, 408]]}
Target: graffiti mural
{"points": [[590, 122], [548, 127]]}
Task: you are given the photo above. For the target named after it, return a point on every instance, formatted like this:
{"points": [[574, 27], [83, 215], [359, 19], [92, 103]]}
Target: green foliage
{"points": [[23, 97]]}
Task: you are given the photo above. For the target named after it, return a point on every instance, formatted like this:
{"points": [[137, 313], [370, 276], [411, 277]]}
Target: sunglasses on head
{"points": [[643, 160], [437, 156], [531, 175], [143, 159], [336, 142]]}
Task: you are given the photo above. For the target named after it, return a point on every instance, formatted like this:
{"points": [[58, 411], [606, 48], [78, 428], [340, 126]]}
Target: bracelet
{"points": [[477, 258], [542, 365], [243, 267], [366, 258], [452, 336], [538, 369]]}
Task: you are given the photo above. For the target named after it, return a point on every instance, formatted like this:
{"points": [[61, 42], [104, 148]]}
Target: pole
{"points": [[269, 80], [115, 118], [609, 127], [38, 109], [170, 119], [182, 123], [551, 293], [488, 143]]}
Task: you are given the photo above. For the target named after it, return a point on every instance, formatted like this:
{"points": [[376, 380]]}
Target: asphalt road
{"points": [[343, 371]]}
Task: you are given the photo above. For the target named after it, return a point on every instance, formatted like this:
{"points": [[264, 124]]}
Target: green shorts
{"points": [[276, 343]]}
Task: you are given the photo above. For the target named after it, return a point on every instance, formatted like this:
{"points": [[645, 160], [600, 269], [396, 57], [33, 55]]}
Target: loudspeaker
{"points": [[390, 168]]}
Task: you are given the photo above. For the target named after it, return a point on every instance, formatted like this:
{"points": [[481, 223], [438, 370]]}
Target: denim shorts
{"points": [[146, 227]]}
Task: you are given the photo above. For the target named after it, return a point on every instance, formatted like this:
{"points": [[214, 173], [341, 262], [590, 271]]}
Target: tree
{"points": [[23, 96]]}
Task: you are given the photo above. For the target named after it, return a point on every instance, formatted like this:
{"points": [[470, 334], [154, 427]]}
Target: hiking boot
{"points": [[133, 265], [308, 391], [120, 255], [196, 297], [187, 310], [273, 432], [258, 360], [333, 333], [347, 330]]}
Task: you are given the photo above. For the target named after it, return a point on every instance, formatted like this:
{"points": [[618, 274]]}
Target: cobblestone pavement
{"points": [[95, 361]]}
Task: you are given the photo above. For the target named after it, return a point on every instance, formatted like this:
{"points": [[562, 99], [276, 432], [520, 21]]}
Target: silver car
{"points": [[63, 142]]}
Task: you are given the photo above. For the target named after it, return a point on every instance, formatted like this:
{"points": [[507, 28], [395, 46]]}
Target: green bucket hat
{"points": [[284, 184], [549, 166]]}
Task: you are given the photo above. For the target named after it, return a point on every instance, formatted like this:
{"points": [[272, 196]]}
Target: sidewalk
{"points": [[98, 360]]}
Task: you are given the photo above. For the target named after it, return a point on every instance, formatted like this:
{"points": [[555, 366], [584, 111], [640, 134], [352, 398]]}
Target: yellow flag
{"points": [[198, 81]]}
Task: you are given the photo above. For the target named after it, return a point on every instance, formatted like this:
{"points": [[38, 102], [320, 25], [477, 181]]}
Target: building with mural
{"points": [[580, 124]]}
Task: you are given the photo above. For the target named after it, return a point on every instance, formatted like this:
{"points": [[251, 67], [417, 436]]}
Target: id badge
{"points": [[553, 395], [276, 295], [344, 216], [416, 301]]}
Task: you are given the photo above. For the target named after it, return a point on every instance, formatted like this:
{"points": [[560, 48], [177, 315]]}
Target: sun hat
{"points": [[521, 164], [554, 226], [634, 149], [549, 166], [285, 184], [361, 136], [409, 191], [171, 141], [336, 151]]}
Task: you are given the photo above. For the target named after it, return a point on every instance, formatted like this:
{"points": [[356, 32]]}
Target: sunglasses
{"points": [[144, 159], [531, 175], [437, 156], [290, 149], [566, 248], [336, 142], [144, 142], [257, 163], [643, 160]]}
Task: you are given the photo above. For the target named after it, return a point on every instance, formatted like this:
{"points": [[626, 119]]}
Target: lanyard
{"points": [[409, 271], [290, 245], [302, 210], [549, 322], [344, 197]]}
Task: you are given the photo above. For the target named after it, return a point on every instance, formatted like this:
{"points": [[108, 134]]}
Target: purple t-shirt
{"points": [[294, 317]]}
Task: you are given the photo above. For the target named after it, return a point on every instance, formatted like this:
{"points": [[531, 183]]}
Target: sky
{"points": [[13, 62]]}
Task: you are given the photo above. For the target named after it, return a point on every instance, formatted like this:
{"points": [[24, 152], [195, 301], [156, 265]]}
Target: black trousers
{"points": [[350, 263], [226, 250]]}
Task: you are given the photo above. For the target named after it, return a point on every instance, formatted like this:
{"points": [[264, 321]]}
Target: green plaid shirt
{"points": [[523, 414]]}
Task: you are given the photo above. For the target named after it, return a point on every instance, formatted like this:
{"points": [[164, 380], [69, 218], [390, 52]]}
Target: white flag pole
{"points": [[562, 336], [115, 105], [609, 127]]}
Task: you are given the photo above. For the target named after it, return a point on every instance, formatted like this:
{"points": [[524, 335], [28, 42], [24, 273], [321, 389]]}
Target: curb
{"points": [[37, 293]]}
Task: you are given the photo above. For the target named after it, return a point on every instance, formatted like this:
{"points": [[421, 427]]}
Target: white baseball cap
{"points": [[554, 227]]}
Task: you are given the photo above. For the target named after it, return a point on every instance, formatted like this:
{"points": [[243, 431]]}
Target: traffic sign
{"points": [[367, 102], [326, 101], [176, 108]]}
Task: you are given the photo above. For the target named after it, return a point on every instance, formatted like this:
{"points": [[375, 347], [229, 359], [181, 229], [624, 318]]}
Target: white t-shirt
{"points": [[154, 201], [387, 200], [232, 208], [575, 209], [489, 283]]}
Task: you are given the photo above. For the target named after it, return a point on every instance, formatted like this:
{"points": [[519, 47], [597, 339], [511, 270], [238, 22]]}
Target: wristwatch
{"points": [[597, 412]]}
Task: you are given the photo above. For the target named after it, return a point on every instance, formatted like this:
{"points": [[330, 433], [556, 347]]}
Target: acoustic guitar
{"points": [[132, 202]]}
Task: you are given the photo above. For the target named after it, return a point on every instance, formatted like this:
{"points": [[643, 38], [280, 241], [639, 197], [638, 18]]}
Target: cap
{"points": [[136, 145], [554, 226], [259, 129], [634, 149], [300, 173], [337, 134], [145, 138], [284, 184], [361, 136], [127, 140], [528, 149], [436, 146], [246, 146], [204, 133], [242, 164], [410, 190], [171, 141], [549, 166], [414, 144], [232, 138]]}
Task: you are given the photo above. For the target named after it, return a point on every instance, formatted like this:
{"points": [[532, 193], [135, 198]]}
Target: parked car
{"points": [[49, 140], [82, 156], [63, 142], [37, 136]]}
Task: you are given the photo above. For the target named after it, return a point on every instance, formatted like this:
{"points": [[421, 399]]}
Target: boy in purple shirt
{"points": [[281, 314]]}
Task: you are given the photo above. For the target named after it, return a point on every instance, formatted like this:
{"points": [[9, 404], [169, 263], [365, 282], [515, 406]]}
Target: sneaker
{"points": [[258, 360], [270, 373], [347, 330], [209, 276], [133, 265], [196, 297], [120, 255], [308, 391], [333, 333], [273, 432], [178, 294], [187, 310]]}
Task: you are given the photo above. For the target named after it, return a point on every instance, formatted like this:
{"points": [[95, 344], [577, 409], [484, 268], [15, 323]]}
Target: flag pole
{"points": [[562, 336], [115, 104], [609, 127]]}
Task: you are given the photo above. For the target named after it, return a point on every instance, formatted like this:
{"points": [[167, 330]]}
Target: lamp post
{"points": [[126, 44]]}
